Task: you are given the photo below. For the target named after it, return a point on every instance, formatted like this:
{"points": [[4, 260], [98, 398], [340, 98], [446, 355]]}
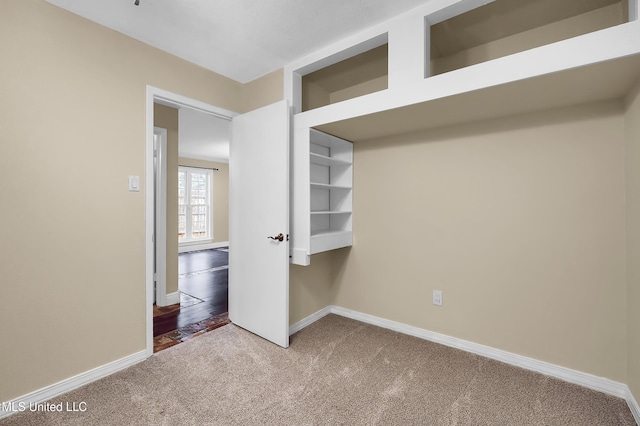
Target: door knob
{"points": [[279, 237]]}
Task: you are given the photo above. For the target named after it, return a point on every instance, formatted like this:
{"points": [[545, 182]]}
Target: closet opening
{"points": [[360, 74], [505, 27]]}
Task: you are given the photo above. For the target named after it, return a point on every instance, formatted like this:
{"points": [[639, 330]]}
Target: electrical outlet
{"points": [[437, 297]]}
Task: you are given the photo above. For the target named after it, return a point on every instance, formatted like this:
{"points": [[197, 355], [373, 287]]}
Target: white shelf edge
{"points": [[328, 186], [330, 212], [323, 160], [330, 240], [329, 233]]}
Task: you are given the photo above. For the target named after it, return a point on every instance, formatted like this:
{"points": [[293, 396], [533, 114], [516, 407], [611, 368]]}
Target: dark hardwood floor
{"points": [[203, 284]]}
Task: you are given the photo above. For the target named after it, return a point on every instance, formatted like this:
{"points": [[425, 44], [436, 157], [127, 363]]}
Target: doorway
{"points": [[203, 283], [196, 253], [167, 99]]}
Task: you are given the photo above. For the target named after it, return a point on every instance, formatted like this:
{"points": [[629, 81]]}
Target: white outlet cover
{"points": [[437, 297]]}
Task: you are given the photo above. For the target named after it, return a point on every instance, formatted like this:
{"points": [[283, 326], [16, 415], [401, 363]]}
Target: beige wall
{"points": [[632, 120], [312, 288], [519, 221], [72, 114], [263, 91], [167, 118], [220, 195]]}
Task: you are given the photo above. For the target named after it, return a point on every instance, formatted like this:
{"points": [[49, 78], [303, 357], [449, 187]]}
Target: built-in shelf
{"points": [[322, 241], [594, 56], [330, 212], [599, 81], [323, 160], [358, 75], [504, 27], [328, 186], [323, 192]]}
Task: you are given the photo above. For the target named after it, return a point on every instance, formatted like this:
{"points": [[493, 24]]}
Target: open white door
{"points": [[259, 209]]}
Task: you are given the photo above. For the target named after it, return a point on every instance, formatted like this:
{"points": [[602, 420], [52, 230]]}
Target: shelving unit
{"points": [[331, 185], [541, 56], [323, 194]]}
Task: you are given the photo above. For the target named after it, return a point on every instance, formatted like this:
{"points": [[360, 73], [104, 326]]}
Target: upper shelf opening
{"points": [[505, 27], [601, 81], [356, 76]]}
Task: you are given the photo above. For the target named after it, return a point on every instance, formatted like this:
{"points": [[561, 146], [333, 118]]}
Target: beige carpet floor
{"points": [[336, 371]]}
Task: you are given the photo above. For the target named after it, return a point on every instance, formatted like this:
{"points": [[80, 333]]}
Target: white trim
{"points": [[87, 377], [586, 380], [294, 328], [160, 194], [172, 298], [634, 6], [177, 101], [149, 219], [633, 405], [195, 242], [75, 382], [187, 248]]}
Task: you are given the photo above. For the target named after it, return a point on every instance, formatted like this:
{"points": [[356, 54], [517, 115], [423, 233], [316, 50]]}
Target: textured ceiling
{"points": [[241, 39]]}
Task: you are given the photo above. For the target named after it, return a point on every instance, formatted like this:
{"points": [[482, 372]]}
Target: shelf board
{"points": [[328, 186], [329, 233], [330, 240], [323, 160], [329, 212]]}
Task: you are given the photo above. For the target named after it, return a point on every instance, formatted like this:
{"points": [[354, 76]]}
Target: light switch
{"points": [[134, 183]]}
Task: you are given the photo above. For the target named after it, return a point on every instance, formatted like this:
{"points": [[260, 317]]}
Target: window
{"points": [[195, 221]]}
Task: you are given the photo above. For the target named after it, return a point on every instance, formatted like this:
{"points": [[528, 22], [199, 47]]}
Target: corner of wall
{"points": [[632, 189], [263, 91]]}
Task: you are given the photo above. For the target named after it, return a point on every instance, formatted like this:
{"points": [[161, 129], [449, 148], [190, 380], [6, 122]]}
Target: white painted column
{"points": [[634, 7], [407, 52]]}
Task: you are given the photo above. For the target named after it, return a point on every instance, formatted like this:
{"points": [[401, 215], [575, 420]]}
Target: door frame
{"points": [[160, 202], [164, 97]]}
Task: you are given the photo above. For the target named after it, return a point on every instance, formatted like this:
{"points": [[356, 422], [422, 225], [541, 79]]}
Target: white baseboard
{"points": [[294, 328], [173, 298], [72, 383], [586, 380], [633, 406], [196, 247]]}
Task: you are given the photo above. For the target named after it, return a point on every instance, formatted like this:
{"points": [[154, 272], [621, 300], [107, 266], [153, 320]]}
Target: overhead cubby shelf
{"points": [[356, 76], [505, 27]]}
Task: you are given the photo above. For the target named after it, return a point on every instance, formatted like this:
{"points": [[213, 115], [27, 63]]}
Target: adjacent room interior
{"points": [[197, 221]]}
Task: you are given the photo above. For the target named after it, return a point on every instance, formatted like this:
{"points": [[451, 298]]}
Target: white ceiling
{"points": [[202, 136], [241, 39]]}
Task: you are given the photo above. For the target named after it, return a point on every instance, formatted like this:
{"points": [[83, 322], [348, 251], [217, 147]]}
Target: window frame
{"points": [[188, 236]]}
